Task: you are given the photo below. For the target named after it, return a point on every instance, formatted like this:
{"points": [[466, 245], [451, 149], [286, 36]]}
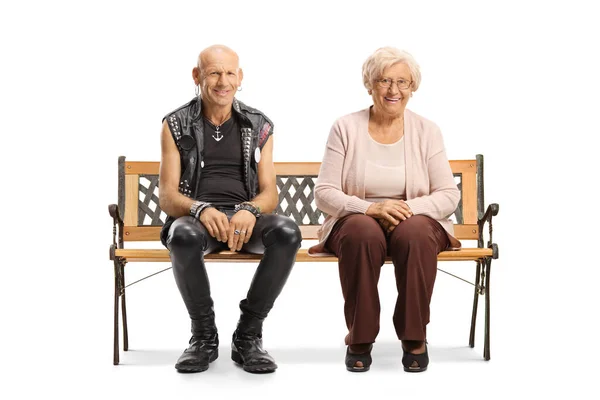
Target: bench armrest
{"points": [[113, 210], [491, 211]]}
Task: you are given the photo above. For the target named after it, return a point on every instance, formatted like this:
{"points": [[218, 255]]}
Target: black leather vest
{"points": [[187, 130]]}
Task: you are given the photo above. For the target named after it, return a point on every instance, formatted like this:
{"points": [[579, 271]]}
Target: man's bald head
{"points": [[215, 53]]}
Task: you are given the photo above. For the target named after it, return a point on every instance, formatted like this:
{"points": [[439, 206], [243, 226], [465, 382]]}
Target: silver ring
{"points": [[236, 232]]}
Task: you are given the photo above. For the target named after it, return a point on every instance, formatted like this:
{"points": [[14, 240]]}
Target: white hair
{"points": [[386, 57]]}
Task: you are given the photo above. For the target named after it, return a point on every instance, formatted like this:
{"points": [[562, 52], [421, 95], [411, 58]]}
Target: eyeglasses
{"points": [[385, 83]]}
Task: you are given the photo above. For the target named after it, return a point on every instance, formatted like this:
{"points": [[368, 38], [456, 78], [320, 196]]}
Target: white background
{"points": [[85, 82]]}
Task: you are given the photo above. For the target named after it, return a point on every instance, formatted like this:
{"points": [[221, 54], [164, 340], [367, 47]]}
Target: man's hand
{"points": [[216, 223], [240, 229]]}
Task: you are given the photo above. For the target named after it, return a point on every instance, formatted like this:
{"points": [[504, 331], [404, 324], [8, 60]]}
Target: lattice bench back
{"points": [[143, 218]]}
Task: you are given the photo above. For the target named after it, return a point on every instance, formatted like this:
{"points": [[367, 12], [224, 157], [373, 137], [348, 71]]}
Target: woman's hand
{"points": [[386, 225], [389, 213]]}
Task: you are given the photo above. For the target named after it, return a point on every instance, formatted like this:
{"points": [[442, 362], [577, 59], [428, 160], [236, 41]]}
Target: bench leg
{"points": [[475, 304], [116, 315], [123, 309], [486, 345]]}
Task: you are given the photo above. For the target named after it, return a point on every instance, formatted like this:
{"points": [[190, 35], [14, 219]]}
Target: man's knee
{"points": [[282, 231], [186, 234]]}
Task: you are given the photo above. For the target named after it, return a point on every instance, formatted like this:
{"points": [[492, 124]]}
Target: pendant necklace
{"points": [[218, 133], [219, 136]]}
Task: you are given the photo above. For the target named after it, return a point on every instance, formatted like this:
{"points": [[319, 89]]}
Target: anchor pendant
{"points": [[219, 136]]}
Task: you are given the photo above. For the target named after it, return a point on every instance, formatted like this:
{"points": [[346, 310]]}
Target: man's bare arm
{"points": [[267, 197], [171, 201]]}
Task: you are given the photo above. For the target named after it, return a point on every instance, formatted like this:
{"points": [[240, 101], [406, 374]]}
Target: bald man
{"points": [[218, 188]]}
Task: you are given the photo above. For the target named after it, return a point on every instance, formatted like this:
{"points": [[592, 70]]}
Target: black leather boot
{"points": [[246, 347], [203, 348]]}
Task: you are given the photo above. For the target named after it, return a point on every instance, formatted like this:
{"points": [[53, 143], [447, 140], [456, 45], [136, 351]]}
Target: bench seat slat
{"points": [[162, 255]]}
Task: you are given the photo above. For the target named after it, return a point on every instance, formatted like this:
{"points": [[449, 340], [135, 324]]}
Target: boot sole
{"points": [[197, 368], [358, 369], [415, 369], [235, 356]]}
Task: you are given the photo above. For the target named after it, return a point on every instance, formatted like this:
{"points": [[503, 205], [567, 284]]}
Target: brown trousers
{"points": [[361, 246]]}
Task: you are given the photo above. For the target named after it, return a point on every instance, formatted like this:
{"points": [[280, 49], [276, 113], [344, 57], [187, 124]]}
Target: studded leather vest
{"points": [[187, 130]]}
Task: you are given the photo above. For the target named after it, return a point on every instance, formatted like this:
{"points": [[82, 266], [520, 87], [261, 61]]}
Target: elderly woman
{"points": [[387, 187]]}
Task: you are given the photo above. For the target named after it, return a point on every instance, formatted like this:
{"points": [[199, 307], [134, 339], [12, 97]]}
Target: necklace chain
{"points": [[218, 133], [219, 125]]}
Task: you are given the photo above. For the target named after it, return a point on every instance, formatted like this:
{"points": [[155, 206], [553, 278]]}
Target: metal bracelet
{"points": [[194, 208], [248, 207], [203, 207], [253, 204]]}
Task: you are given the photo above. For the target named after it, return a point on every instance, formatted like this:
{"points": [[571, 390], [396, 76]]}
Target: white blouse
{"points": [[385, 174]]}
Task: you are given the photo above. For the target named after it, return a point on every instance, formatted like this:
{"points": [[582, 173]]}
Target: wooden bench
{"points": [[138, 217]]}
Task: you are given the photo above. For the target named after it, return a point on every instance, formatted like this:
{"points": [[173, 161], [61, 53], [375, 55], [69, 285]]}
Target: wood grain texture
{"points": [[131, 200], [160, 255]]}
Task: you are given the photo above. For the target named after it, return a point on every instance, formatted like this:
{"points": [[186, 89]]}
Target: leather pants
{"points": [[277, 237]]}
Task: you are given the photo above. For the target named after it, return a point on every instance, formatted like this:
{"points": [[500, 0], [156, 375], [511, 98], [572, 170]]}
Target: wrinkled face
{"points": [[392, 90], [219, 76]]}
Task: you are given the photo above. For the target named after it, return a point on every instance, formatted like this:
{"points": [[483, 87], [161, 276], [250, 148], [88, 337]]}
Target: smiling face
{"points": [[391, 101], [218, 75]]}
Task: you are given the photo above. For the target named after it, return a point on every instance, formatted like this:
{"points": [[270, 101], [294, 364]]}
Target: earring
{"points": [[370, 91], [197, 91], [239, 89]]}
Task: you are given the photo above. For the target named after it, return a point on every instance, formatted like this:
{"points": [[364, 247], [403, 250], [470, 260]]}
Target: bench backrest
{"points": [[143, 218]]}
